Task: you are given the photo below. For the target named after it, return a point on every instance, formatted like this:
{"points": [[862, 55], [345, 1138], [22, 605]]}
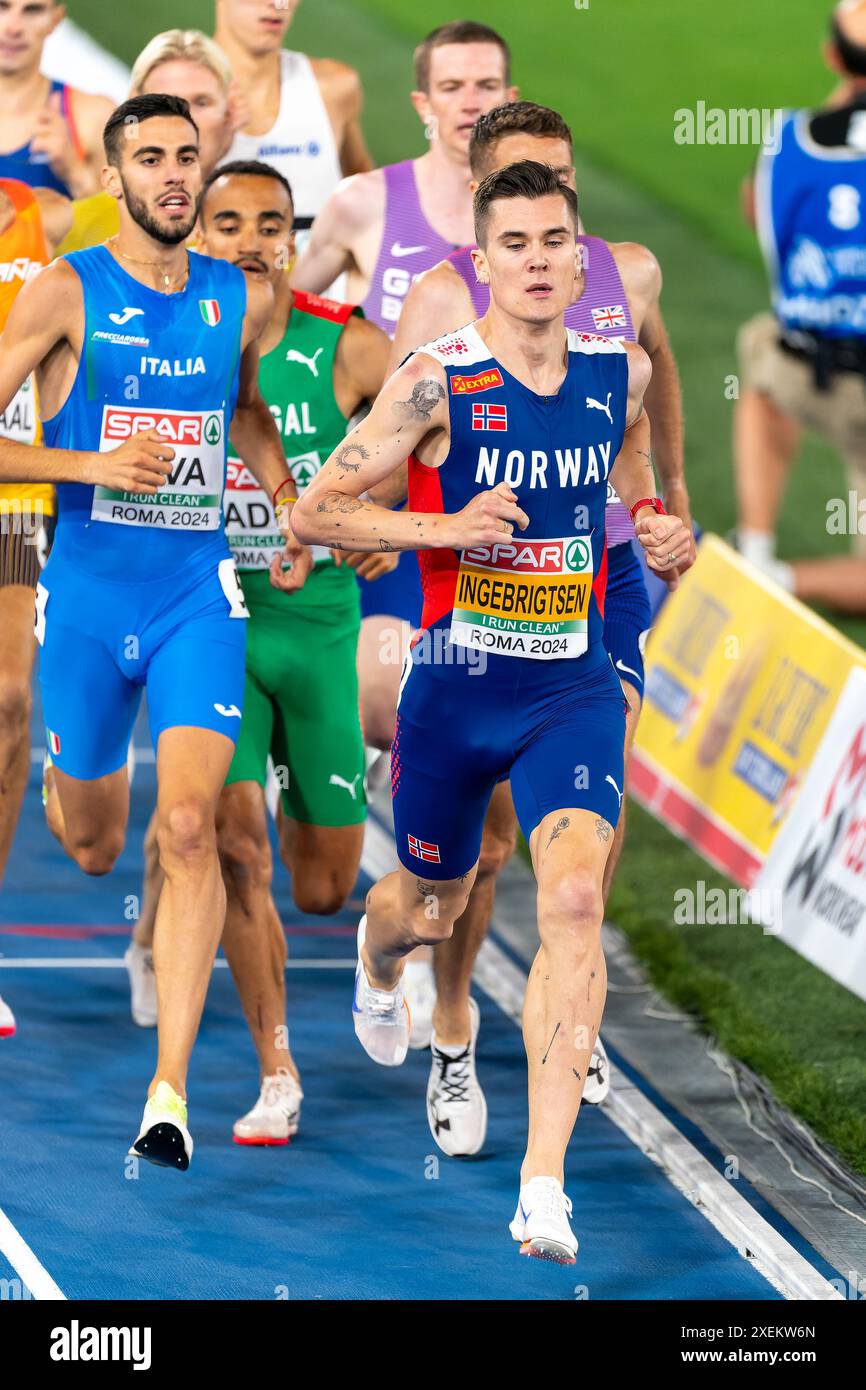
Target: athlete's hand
{"points": [[666, 542], [52, 140], [677, 503], [290, 570], [490, 517], [368, 564], [140, 464]]}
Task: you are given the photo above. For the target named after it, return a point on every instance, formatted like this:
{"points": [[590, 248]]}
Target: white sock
{"points": [[759, 547]]}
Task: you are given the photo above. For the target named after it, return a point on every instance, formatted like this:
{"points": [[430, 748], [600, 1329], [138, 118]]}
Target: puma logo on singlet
{"points": [[227, 711], [294, 356], [335, 781], [597, 405], [608, 778], [128, 313]]}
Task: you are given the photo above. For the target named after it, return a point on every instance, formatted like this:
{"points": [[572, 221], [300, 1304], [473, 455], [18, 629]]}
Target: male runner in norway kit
{"points": [[513, 426], [319, 362], [384, 228], [144, 356], [617, 296], [31, 222]]}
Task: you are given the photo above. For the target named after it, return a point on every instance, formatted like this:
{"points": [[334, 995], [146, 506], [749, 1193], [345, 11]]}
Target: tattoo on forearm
{"points": [[342, 459], [550, 1045], [426, 395], [386, 545], [642, 453], [562, 824], [603, 829], [337, 503]]}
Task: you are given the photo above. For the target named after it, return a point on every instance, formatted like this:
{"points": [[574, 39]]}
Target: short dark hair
{"points": [[458, 31], [512, 118], [252, 168], [526, 179], [137, 109], [852, 55]]}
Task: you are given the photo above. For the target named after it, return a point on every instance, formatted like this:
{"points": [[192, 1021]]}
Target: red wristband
{"points": [[654, 502], [279, 488]]}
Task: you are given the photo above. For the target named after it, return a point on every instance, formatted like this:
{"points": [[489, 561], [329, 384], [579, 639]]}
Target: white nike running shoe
{"points": [[541, 1222], [598, 1076], [275, 1117], [7, 1020], [142, 984], [164, 1138], [456, 1108], [419, 991], [381, 1016]]}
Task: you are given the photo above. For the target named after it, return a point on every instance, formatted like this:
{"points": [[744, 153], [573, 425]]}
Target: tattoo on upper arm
{"points": [[426, 395], [342, 459]]}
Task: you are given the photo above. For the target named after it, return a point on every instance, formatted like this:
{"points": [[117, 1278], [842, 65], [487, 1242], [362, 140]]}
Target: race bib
{"points": [[525, 598], [251, 523], [190, 499]]}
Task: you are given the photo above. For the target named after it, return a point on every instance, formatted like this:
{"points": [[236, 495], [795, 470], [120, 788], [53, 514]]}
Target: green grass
{"points": [[618, 70]]}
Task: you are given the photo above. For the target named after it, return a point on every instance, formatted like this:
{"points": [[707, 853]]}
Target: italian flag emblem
{"points": [[210, 311]]}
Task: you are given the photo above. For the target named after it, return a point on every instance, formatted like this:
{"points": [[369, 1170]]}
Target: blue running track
{"points": [[360, 1205]]}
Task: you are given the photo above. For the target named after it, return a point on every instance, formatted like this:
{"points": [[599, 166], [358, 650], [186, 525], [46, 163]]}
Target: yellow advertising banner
{"points": [[741, 682]]}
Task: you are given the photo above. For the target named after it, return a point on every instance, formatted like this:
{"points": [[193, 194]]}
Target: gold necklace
{"points": [[152, 265]]}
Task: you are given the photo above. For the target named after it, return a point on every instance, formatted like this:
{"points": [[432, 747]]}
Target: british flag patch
{"points": [[611, 317], [423, 849], [489, 417]]}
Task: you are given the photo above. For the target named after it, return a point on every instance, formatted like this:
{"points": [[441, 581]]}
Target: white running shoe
{"points": [[164, 1138], [7, 1020], [598, 1076], [419, 991], [456, 1108], [142, 984], [275, 1117], [380, 1016], [541, 1222]]}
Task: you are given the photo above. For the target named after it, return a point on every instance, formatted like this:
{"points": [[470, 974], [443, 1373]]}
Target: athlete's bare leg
{"points": [[89, 817], [253, 937], [765, 442], [191, 767], [323, 861], [839, 583], [17, 648], [454, 958], [142, 933], [567, 984], [405, 911], [382, 646], [631, 720]]}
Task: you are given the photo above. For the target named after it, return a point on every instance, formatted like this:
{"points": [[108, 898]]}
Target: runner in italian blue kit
{"points": [[616, 295], [145, 355], [513, 427]]}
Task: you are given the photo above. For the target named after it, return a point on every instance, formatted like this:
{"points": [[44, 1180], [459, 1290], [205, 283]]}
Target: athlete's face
{"points": [[247, 219], [159, 177], [466, 80], [208, 103], [530, 257], [257, 25], [24, 27], [545, 149]]}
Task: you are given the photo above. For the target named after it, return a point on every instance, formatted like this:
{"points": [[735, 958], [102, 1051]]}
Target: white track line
{"points": [[118, 963], [33, 1275], [631, 1111]]}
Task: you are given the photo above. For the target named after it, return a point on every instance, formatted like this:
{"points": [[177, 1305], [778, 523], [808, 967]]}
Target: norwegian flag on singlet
{"points": [[489, 417]]}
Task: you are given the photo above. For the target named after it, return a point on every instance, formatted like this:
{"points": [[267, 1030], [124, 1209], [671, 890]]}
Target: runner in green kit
{"points": [[320, 361]]}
